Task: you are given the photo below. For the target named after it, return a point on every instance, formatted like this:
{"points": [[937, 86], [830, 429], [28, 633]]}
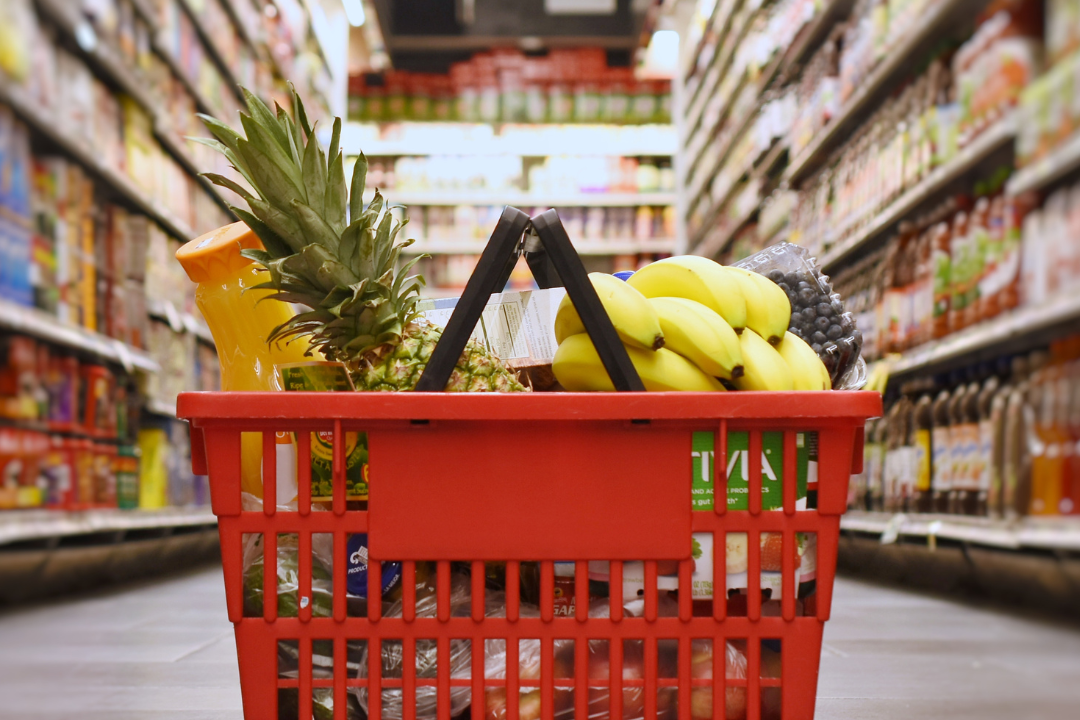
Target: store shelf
{"points": [[994, 138], [898, 59], [1059, 163], [991, 333], [160, 407], [714, 75], [23, 525], [602, 247], [480, 139], [1049, 533], [688, 76], [712, 245], [211, 49], [40, 324], [65, 15], [811, 36], [115, 71], [179, 321], [13, 96], [520, 199]]}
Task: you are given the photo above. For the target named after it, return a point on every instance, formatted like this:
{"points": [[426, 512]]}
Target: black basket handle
{"points": [[552, 258]]}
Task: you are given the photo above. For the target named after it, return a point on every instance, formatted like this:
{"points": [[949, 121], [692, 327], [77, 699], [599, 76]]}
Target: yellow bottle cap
{"points": [[216, 255]]}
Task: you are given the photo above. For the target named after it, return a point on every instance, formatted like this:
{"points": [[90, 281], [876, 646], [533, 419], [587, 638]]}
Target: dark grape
{"points": [[777, 276], [819, 338], [809, 315], [792, 279], [822, 324], [837, 306], [807, 295], [847, 324], [816, 348], [824, 309], [835, 332]]}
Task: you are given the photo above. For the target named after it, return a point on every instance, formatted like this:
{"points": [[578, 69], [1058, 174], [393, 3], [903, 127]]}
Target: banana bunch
{"points": [[689, 323]]}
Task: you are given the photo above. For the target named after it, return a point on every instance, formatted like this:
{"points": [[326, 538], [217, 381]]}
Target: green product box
{"points": [[330, 377], [738, 465]]}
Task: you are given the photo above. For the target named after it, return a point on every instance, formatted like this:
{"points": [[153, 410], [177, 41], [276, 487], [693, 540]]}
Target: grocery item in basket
{"points": [[288, 576], [704, 311], [240, 324], [599, 671], [426, 657], [634, 319], [325, 376], [817, 313], [700, 335], [325, 250], [578, 368]]}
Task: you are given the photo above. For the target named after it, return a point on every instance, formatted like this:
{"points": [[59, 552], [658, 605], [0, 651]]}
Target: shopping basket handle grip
{"points": [[568, 266], [489, 277], [503, 249]]}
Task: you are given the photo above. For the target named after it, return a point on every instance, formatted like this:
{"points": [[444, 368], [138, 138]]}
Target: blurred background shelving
{"points": [[924, 154], [99, 185]]}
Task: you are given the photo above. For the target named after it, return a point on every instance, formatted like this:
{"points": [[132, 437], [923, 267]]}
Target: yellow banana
{"points": [[807, 370], [700, 335], [763, 368], [694, 278], [768, 310], [633, 317], [578, 368]]}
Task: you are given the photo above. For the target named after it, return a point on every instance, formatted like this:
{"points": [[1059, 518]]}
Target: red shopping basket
{"points": [[532, 478], [542, 477]]}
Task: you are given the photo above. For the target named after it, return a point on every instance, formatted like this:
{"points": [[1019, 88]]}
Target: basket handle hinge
{"points": [[553, 262]]}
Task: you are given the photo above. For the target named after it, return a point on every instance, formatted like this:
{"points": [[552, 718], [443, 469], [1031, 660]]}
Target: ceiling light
{"points": [[354, 11]]}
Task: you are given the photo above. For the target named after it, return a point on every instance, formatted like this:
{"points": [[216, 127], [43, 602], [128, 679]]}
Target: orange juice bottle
{"points": [[1047, 459], [241, 325]]}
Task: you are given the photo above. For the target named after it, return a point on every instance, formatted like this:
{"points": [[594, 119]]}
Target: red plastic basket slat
{"points": [[559, 438]]}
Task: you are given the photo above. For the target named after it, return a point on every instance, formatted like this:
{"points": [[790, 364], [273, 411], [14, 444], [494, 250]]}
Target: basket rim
{"points": [[853, 406]]}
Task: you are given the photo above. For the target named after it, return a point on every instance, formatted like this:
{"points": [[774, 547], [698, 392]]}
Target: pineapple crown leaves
{"points": [[323, 248]]}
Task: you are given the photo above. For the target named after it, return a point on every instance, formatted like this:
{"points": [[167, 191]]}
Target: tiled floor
{"points": [[164, 651]]}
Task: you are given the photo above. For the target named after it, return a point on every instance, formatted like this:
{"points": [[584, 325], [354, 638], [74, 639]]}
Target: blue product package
{"points": [[624, 275], [357, 573]]}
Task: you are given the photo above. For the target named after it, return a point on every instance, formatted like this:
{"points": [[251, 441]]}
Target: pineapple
{"points": [[362, 309]]}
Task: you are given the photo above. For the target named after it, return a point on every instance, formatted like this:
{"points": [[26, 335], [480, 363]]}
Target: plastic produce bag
{"points": [[288, 569], [426, 657], [599, 695], [817, 313]]}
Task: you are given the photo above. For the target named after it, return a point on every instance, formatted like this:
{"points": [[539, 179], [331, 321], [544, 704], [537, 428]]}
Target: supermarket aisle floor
{"points": [[897, 655], [164, 651], [161, 650]]}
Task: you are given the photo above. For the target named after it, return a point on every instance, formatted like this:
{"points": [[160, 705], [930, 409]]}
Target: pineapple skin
{"points": [[398, 367]]}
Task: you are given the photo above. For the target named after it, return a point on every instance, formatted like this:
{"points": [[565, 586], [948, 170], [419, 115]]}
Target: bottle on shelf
{"points": [[958, 444], [941, 451], [985, 462], [970, 499], [923, 497]]}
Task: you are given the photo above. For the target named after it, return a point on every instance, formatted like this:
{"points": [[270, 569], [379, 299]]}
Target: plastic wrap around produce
{"points": [[817, 313], [426, 657], [599, 672], [288, 569]]}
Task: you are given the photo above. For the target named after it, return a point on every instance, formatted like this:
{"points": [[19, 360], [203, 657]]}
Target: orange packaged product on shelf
{"points": [[82, 460], [104, 475], [98, 412]]}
